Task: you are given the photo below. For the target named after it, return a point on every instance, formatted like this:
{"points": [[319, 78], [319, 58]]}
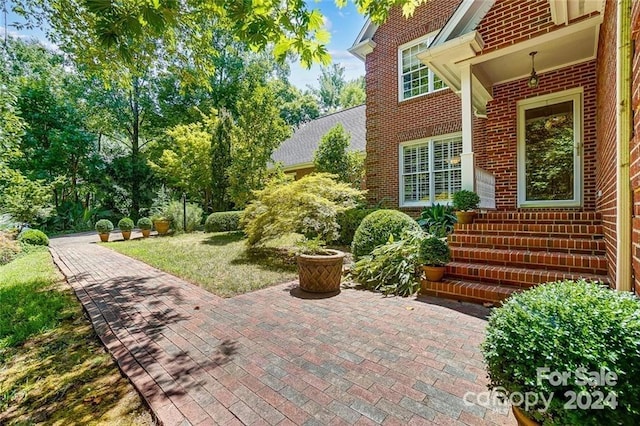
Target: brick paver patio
{"points": [[276, 356]]}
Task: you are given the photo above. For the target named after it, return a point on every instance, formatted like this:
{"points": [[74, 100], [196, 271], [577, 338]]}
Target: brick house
{"points": [[453, 102]]}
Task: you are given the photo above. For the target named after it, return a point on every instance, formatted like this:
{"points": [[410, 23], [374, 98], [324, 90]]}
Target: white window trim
{"points": [[405, 46], [575, 95], [401, 147]]}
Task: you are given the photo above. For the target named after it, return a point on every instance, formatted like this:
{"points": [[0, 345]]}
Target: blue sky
{"points": [[343, 24]]}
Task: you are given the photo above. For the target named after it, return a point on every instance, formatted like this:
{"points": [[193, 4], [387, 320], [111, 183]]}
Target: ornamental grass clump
{"points": [[576, 329], [308, 206]]}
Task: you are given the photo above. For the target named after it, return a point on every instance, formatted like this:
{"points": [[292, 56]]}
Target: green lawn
{"points": [[53, 369], [218, 262]]}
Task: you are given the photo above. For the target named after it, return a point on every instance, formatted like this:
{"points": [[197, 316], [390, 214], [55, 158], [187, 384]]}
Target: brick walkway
{"points": [[276, 357]]}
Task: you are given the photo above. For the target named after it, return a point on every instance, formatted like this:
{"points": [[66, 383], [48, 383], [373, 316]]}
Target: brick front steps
{"points": [[503, 252]]}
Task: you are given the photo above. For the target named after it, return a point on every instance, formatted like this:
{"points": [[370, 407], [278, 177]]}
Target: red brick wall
{"points": [[606, 124], [635, 144], [513, 21], [499, 156], [390, 122]]}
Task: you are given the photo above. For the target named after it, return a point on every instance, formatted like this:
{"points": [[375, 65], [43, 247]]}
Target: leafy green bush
{"points": [[222, 222], [464, 200], [145, 223], [308, 206], [392, 268], [563, 327], [175, 214], [125, 224], [349, 220], [437, 220], [434, 252], [376, 228], [104, 226], [33, 237]]}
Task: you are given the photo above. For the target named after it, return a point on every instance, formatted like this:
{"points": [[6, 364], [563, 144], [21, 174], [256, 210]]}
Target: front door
{"points": [[549, 150]]}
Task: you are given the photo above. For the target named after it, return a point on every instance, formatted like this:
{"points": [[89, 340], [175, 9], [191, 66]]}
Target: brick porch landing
{"points": [[275, 356], [503, 252]]}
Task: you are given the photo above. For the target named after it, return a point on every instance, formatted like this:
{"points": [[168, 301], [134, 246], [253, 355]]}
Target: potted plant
{"points": [[571, 348], [319, 268], [104, 228], [125, 225], [161, 224], [434, 254], [145, 225], [465, 203]]}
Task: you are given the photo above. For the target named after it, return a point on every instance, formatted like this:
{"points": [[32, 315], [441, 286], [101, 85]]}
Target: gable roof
{"points": [[299, 148]]}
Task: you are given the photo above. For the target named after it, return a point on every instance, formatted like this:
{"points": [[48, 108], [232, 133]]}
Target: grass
{"points": [[53, 369], [218, 262]]}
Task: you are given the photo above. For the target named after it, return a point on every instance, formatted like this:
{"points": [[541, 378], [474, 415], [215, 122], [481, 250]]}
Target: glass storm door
{"points": [[549, 151]]}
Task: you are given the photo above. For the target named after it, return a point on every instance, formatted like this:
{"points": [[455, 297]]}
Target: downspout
{"points": [[623, 139]]}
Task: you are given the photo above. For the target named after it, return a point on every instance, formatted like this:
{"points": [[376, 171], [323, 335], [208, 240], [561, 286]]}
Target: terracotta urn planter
{"points": [[433, 273], [162, 226], [320, 273], [521, 418], [126, 234], [145, 233], [465, 217], [104, 237]]}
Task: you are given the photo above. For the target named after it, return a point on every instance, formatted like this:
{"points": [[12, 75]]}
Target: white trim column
{"points": [[467, 162]]}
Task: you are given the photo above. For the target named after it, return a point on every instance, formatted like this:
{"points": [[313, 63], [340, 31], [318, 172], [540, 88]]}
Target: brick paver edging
{"points": [[276, 356]]}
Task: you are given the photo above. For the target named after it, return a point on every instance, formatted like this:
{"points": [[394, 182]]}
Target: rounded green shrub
{"points": [[104, 226], [145, 223], [434, 252], [349, 220], [570, 328], [222, 222], [125, 224], [175, 213], [375, 229], [34, 237]]}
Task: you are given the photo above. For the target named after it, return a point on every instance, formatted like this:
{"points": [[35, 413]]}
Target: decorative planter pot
{"points": [[521, 418], [433, 273], [162, 226], [126, 234], [145, 233], [104, 237], [465, 218], [320, 273]]}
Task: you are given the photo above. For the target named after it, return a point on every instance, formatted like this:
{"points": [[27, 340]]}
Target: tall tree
{"points": [[221, 161], [331, 82], [353, 93]]}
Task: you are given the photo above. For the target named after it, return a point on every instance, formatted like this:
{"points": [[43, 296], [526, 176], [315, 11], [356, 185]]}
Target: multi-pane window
{"points": [[415, 77], [430, 171]]}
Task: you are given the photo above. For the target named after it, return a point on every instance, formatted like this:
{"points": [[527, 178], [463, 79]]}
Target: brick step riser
{"points": [[523, 279], [540, 216], [532, 234], [577, 246], [526, 228], [467, 291], [546, 263], [539, 222]]}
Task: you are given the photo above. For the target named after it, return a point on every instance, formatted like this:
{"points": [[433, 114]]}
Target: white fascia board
{"points": [[362, 49]]}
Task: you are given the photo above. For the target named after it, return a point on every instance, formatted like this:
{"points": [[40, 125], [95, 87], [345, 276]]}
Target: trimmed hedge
{"points": [[376, 228], [34, 237], [222, 221], [349, 221]]}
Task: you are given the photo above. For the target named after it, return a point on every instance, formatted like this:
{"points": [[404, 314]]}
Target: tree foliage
{"points": [[308, 206], [333, 156]]}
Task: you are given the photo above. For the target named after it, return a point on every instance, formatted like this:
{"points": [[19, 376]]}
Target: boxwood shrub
{"points": [[222, 221], [34, 237], [145, 223], [563, 327], [125, 224], [375, 229], [104, 226], [349, 220]]}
